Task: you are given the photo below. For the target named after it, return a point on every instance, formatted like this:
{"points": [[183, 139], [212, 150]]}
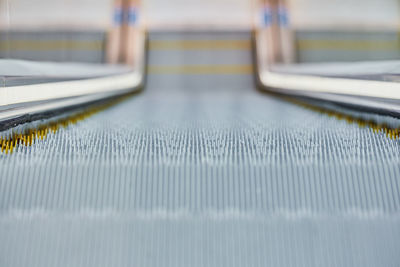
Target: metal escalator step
{"points": [[203, 170]]}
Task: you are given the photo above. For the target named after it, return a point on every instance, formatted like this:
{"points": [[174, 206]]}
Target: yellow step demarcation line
{"points": [[201, 69], [200, 45], [390, 132], [44, 45], [29, 136], [360, 45]]}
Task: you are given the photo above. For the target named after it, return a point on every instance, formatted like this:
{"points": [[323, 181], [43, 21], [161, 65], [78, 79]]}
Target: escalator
{"points": [[203, 169]]}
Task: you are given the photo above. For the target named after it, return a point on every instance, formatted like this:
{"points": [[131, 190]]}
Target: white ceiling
{"points": [[28, 14], [192, 14], [198, 13], [346, 14]]}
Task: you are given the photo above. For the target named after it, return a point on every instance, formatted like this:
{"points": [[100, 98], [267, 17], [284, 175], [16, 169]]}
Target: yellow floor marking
{"points": [[201, 45], [201, 69], [29, 136], [367, 45], [390, 132], [44, 45]]}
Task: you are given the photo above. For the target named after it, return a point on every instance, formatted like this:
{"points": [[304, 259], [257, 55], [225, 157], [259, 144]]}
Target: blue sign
{"points": [[132, 16], [118, 16], [283, 16], [267, 16]]}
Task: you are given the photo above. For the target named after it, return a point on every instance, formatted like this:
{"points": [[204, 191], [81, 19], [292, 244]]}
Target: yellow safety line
{"points": [[201, 44], [44, 45], [201, 69], [367, 45], [390, 132], [30, 136]]}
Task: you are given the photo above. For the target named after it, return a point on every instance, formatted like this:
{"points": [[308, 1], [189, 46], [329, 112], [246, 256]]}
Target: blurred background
{"points": [[79, 30]]}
